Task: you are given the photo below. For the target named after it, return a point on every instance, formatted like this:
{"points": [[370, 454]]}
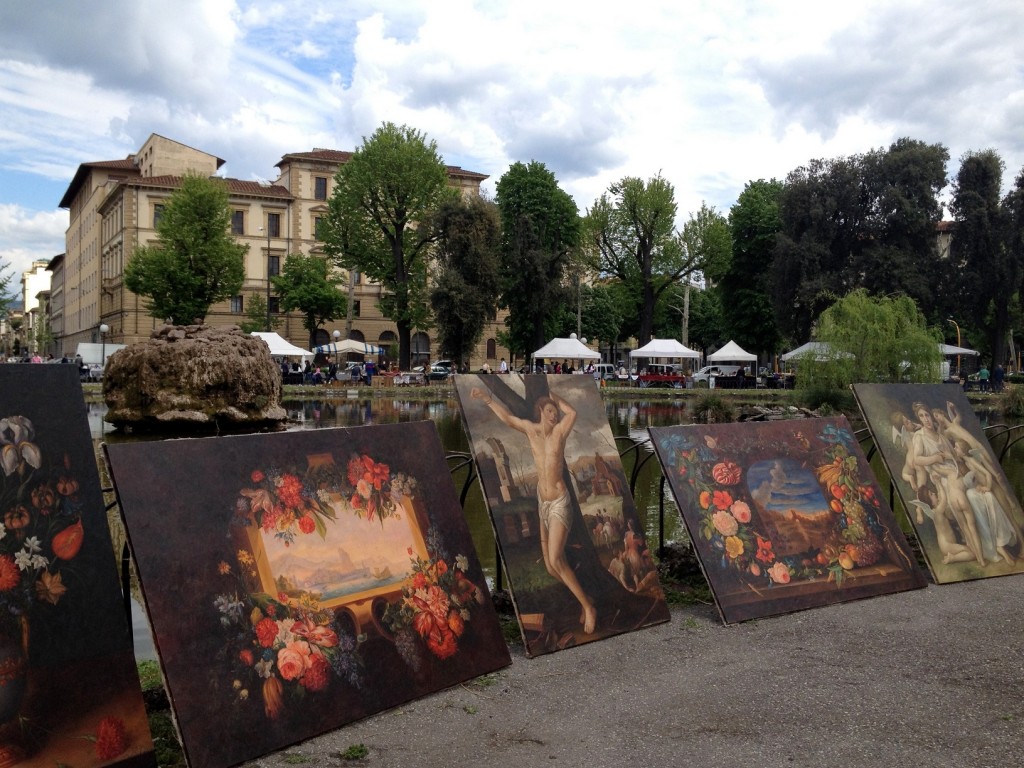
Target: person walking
{"points": [[983, 375]]}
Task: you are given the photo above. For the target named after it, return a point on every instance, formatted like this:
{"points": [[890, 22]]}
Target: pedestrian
{"points": [[983, 378], [998, 374]]}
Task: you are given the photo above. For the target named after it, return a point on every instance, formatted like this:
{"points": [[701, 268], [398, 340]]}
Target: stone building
{"points": [[114, 206]]}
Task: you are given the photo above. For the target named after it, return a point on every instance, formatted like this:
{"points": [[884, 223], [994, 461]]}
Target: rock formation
{"points": [[195, 375]]}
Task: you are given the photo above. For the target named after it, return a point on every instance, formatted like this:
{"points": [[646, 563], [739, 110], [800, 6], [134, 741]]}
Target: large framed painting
{"points": [[69, 688], [298, 581], [784, 515], [963, 510], [574, 549]]}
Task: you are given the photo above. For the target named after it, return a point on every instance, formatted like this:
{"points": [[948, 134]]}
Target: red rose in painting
{"points": [[9, 577], [442, 645], [266, 632], [246, 657], [318, 674], [419, 581], [307, 524], [257, 476], [293, 660], [741, 511], [726, 473], [442, 567], [722, 499], [111, 738], [289, 490], [456, 624]]}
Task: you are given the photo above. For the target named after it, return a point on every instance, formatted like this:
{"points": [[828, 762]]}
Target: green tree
{"points": [[631, 228], [305, 284], [745, 285], [378, 221], [990, 273], [194, 261], [256, 314], [466, 289], [540, 227], [875, 339], [706, 239]]}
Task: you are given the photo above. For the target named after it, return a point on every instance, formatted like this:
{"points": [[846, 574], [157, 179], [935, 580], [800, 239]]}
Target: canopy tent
{"points": [[350, 346], [91, 353], [731, 352], [280, 347], [950, 349], [814, 350], [664, 348], [566, 349]]}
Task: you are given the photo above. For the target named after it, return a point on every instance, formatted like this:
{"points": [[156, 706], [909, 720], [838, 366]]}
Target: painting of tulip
{"points": [[69, 688], [299, 581], [784, 515], [959, 502], [578, 562]]}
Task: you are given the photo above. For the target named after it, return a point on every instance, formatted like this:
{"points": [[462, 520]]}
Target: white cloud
{"points": [[27, 236]]}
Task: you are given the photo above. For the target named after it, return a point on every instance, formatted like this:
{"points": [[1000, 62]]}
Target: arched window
{"points": [[357, 335], [492, 349]]}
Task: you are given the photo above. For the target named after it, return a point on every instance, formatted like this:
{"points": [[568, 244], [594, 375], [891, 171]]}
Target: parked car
{"points": [[701, 377], [604, 371], [433, 373]]}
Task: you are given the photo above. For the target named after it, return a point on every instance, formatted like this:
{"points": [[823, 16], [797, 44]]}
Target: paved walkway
{"points": [[933, 677]]}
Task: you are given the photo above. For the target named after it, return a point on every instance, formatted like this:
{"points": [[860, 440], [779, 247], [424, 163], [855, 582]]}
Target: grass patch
{"points": [[149, 675], [354, 752], [165, 740]]}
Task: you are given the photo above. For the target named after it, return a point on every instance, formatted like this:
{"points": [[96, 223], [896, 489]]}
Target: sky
{"points": [[711, 95]]}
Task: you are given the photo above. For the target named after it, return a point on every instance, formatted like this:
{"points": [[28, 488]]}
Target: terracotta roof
{"points": [[945, 226], [128, 164], [235, 186], [323, 155], [454, 170]]}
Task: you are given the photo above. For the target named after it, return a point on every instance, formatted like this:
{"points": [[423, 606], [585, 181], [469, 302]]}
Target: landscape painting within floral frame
{"points": [[298, 581], [784, 515], [598, 577], [69, 688], [963, 510]]}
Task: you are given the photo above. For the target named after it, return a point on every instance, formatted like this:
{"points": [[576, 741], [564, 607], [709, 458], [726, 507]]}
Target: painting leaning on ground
{"points": [[963, 510], [784, 515], [578, 565]]}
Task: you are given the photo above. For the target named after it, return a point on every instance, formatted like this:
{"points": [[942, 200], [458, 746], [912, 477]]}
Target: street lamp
{"points": [[951, 320], [104, 330], [268, 273], [337, 338]]}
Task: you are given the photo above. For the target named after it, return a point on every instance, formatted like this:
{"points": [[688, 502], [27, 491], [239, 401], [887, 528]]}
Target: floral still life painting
{"points": [[574, 549], [69, 689], [959, 502], [298, 581], [784, 515]]}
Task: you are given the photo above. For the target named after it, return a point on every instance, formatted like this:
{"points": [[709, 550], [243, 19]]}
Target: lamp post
{"points": [[951, 320], [104, 330], [268, 273], [337, 338]]}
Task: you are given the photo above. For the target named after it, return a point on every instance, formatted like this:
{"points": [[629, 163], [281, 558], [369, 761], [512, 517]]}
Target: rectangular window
{"points": [[316, 228], [158, 211], [320, 187], [274, 265], [275, 304], [238, 222], [355, 309], [237, 305], [274, 224]]}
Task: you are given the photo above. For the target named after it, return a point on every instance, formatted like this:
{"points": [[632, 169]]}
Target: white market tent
{"points": [[819, 351], [281, 347], [950, 349], [566, 349], [731, 352], [670, 348], [350, 346], [91, 353]]}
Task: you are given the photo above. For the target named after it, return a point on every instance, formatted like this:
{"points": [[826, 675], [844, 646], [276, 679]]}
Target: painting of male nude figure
{"points": [[578, 563], [962, 508]]}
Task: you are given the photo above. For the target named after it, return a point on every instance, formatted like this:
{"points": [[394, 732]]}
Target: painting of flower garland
{"points": [[963, 509], [299, 581], [69, 689], [784, 515]]}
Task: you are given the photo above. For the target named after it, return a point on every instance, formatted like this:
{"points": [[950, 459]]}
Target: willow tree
{"points": [[378, 221], [874, 339]]}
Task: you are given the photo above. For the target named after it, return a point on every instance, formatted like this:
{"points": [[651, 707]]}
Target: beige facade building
{"points": [[114, 206]]}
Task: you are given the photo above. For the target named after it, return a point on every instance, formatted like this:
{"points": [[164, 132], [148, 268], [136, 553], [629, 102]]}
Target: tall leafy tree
{"points": [[194, 262], [305, 284], [706, 240], [256, 314], [745, 285], [467, 284], [632, 229], [378, 221], [990, 273], [1013, 205], [540, 227]]}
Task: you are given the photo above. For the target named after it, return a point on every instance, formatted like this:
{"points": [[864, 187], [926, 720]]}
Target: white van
{"points": [[604, 371], [701, 378]]}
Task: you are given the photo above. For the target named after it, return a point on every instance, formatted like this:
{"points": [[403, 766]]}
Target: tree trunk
{"points": [[404, 345]]}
